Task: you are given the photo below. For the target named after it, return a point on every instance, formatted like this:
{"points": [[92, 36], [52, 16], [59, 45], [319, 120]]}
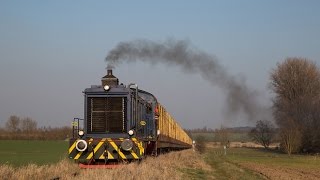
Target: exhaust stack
{"points": [[109, 79]]}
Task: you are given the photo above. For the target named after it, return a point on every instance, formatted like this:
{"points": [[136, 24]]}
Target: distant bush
{"points": [[200, 144], [263, 133]]}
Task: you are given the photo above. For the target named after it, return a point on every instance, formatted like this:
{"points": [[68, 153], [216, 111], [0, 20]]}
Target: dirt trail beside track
{"points": [[283, 173]]}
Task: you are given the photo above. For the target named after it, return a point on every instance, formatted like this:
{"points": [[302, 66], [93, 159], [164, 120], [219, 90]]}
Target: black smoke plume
{"points": [[240, 98]]}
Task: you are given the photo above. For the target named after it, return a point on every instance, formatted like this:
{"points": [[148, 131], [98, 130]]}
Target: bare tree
{"points": [[13, 123], [290, 137], [222, 135], [263, 133], [296, 83], [28, 125]]}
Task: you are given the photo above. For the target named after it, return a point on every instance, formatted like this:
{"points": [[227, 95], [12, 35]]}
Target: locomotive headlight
{"points": [[131, 132], [81, 133], [106, 87], [81, 145], [127, 144]]}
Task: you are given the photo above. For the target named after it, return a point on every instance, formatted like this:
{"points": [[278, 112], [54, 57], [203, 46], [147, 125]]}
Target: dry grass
{"points": [[168, 166], [62, 169], [282, 172]]}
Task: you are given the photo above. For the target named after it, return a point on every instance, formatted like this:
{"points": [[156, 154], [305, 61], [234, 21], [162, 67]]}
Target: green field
{"points": [[249, 163], [22, 152], [272, 158]]}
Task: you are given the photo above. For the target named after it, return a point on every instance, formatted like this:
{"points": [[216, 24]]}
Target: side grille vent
{"points": [[106, 115]]}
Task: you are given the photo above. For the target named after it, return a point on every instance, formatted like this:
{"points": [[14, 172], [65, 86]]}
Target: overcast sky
{"points": [[50, 51]]}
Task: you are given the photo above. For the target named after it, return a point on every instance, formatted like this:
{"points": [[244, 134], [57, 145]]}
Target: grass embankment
{"points": [[23, 152], [175, 165]]}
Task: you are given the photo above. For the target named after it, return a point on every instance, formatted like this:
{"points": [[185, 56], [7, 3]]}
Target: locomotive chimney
{"points": [[109, 79]]}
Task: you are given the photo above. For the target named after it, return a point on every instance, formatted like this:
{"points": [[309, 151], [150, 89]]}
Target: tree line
{"points": [[17, 128]]}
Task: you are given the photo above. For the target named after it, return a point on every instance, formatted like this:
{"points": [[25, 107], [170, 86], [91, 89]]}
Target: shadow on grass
{"points": [[266, 150], [194, 173]]}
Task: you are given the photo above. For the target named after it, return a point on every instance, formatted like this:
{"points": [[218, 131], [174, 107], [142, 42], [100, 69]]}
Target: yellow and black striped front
{"points": [[106, 148]]}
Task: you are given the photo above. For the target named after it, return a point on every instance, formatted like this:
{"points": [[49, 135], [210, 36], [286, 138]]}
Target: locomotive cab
{"points": [[118, 120]]}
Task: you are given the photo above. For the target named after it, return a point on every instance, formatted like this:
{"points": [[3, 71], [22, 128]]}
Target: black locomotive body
{"points": [[123, 123]]}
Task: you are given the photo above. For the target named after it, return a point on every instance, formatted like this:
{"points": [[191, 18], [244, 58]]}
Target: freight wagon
{"points": [[123, 123]]}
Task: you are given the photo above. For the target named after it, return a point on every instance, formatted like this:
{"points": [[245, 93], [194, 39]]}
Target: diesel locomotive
{"points": [[123, 123]]}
